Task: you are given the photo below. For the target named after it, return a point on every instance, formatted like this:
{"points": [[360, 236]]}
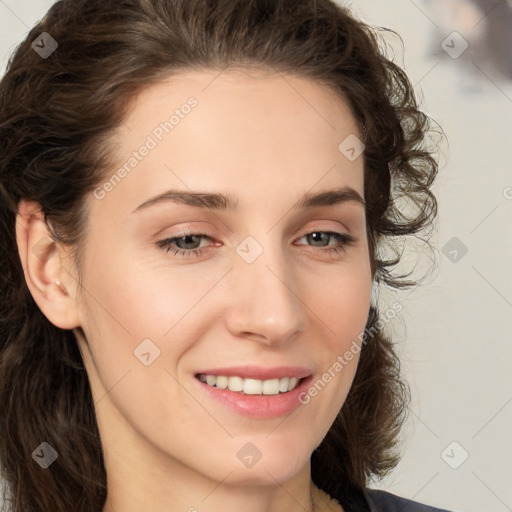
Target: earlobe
{"points": [[49, 280]]}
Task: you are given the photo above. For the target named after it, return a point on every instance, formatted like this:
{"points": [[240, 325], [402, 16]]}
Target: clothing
{"points": [[372, 500], [355, 499], [382, 501]]}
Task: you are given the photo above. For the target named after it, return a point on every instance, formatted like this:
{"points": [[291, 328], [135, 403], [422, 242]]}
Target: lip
{"points": [[259, 372], [258, 406]]}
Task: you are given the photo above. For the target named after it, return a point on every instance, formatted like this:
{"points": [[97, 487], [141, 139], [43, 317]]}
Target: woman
{"points": [[196, 196]]}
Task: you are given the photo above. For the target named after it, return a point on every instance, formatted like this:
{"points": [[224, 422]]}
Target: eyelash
{"points": [[166, 244]]}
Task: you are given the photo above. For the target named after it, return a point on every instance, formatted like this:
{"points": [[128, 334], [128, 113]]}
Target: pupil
{"points": [[187, 240], [317, 236]]}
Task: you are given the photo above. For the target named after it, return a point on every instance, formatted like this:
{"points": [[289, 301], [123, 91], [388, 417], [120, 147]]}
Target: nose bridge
{"points": [[264, 300]]}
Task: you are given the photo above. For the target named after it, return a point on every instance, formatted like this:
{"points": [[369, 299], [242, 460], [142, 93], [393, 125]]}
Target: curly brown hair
{"points": [[56, 116]]}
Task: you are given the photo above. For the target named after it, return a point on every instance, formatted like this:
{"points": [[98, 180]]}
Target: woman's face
{"points": [[261, 288]]}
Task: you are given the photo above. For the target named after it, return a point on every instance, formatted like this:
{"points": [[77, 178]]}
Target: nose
{"points": [[265, 303]]}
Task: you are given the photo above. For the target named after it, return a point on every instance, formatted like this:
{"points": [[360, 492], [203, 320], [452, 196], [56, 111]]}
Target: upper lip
{"points": [[259, 372]]}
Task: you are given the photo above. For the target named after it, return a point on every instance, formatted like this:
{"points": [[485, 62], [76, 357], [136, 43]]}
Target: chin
{"points": [[280, 460], [277, 470]]}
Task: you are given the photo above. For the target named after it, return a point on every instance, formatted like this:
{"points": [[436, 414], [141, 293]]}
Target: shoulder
{"points": [[382, 501]]}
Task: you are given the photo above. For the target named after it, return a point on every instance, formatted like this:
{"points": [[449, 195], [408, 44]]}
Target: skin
{"points": [[265, 139]]}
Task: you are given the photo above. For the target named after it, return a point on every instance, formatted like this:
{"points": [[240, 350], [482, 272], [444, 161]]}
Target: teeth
{"points": [[251, 386], [234, 383], [221, 382]]}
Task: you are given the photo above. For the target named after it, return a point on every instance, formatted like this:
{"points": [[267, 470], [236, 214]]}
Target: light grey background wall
{"points": [[457, 346], [454, 335]]}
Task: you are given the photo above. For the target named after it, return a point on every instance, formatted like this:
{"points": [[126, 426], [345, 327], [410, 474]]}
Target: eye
{"points": [[319, 237], [188, 244]]}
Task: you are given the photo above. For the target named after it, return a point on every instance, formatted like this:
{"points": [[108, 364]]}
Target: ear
{"points": [[48, 272]]}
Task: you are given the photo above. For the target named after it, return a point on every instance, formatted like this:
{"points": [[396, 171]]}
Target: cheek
{"points": [[131, 312], [134, 300], [342, 306], [340, 297], [345, 305]]}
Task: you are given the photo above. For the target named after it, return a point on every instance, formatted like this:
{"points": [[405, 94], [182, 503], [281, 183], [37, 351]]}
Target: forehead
{"points": [[253, 89], [247, 128]]}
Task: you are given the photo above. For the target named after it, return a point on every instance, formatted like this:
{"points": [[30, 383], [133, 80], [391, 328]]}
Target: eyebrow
{"points": [[218, 201]]}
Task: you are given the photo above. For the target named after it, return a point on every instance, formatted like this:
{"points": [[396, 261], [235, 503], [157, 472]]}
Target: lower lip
{"points": [[258, 406]]}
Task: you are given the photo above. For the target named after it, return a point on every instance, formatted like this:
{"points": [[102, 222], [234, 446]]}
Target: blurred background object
{"points": [[485, 26]]}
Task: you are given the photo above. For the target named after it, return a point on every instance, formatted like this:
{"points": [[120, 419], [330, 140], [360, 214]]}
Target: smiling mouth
{"points": [[251, 386]]}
